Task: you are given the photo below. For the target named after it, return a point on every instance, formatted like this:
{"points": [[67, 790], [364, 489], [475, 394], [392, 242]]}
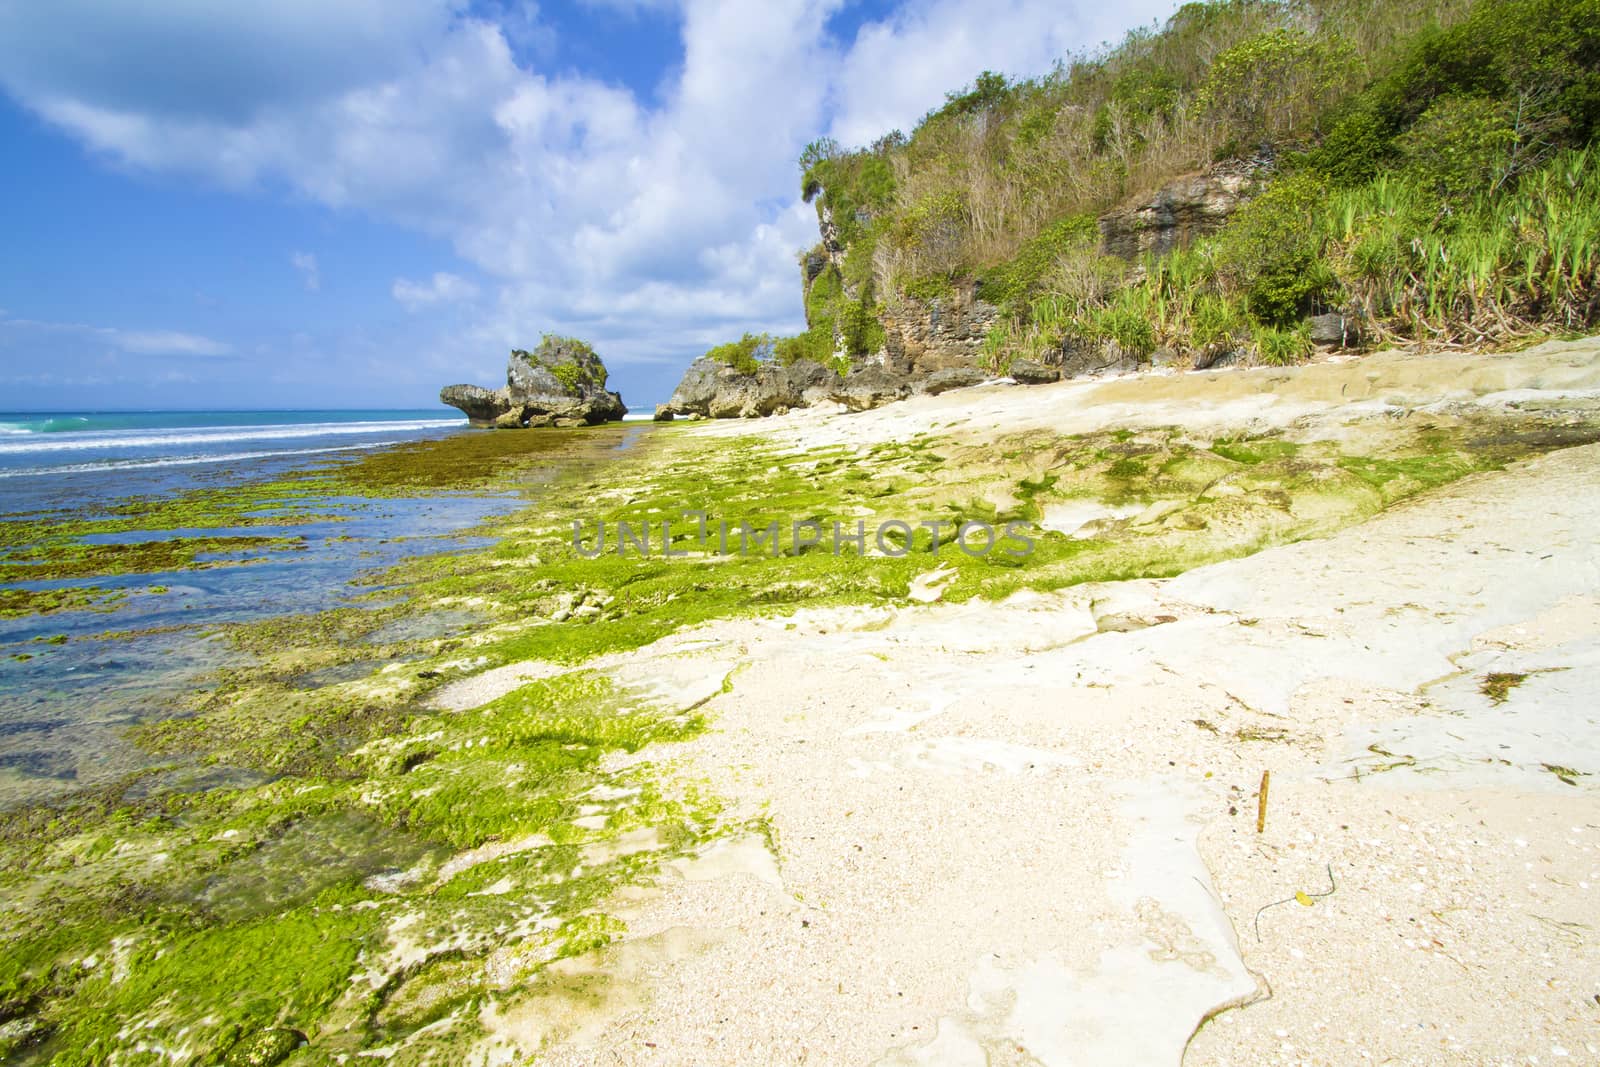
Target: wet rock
{"points": [[663, 413], [560, 383], [19, 1034]]}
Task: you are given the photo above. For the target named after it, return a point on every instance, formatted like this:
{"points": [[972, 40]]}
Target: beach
{"points": [[1277, 747]]}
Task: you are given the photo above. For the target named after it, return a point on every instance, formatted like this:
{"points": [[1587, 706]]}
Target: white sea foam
{"points": [[183, 461], [207, 435]]}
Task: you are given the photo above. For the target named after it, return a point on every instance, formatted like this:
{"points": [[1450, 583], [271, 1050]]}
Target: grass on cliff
{"points": [[1433, 181]]}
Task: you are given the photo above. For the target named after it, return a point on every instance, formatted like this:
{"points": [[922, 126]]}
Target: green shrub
{"points": [[1269, 252], [1009, 284], [1274, 85], [744, 355], [859, 328], [1356, 148], [1461, 145], [1215, 321], [822, 300], [1126, 326], [1281, 348], [997, 352], [815, 345], [932, 233]]}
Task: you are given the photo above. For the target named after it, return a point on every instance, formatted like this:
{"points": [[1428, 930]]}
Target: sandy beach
{"points": [[1026, 832]]}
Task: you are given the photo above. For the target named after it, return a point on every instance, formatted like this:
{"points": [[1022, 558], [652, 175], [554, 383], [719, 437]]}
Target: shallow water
{"points": [[71, 682]]}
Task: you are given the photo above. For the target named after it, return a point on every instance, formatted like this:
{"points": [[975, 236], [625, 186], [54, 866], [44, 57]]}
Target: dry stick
{"points": [[1261, 804]]}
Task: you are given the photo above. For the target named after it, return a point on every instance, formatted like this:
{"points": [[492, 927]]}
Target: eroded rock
{"points": [[560, 383]]}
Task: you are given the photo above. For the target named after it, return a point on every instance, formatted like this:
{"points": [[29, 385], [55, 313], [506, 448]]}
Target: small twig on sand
{"points": [[1332, 888], [1261, 803]]}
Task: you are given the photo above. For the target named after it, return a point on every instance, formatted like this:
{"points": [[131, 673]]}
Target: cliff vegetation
{"points": [[1421, 171]]}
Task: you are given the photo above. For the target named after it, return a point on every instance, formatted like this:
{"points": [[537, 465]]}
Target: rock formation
{"points": [[935, 344], [715, 390], [1182, 210], [560, 383], [925, 336]]}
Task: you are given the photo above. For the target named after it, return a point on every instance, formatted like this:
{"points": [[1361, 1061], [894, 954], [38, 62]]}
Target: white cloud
{"points": [[442, 287], [650, 229], [135, 342], [166, 343], [306, 264], [899, 68]]}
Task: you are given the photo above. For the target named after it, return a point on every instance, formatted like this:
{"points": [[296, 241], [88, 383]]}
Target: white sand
{"points": [[1005, 837]]}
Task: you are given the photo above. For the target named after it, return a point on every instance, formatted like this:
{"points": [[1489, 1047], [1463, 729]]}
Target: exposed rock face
{"points": [[934, 345], [942, 381], [1182, 210], [482, 406], [1033, 372], [560, 383], [870, 387], [1084, 361], [924, 336], [712, 388]]}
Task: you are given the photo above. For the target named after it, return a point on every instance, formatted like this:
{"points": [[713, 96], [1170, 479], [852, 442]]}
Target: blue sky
{"points": [[349, 203]]}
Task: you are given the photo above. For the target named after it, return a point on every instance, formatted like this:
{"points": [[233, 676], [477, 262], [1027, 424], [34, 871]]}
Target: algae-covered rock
{"points": [[264, 1048], [560, 383]]}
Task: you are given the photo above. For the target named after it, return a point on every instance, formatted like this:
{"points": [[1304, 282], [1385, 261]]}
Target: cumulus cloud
{"points": [[650, 228], [306, 264], [442, 287]]}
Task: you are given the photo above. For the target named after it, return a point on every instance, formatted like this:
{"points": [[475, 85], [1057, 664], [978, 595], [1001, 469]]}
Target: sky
{"points": [[351, 203]]}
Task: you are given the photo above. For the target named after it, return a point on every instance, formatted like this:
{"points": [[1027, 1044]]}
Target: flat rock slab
{"points": [[1004, 835]]}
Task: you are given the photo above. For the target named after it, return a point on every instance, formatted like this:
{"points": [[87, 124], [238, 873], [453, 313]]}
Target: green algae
{"points": [[1497, 685], [197, 922], [419, 868], [56, 560]]}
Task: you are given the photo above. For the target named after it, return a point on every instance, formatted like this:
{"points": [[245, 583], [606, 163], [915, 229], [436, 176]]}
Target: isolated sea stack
{"points": [[560, 383]]}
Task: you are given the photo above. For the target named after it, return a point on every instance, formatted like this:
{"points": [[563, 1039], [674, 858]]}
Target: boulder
{"points": [[1334, 330], [713, 389], [1033, 372], [1081, 360], [560, 383], [870, 387], [1215, 357], [482, 406], [942, 381]]}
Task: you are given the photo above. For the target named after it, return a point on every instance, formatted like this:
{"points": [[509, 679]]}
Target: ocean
{"points": [[66, 691], [93, 455]]}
